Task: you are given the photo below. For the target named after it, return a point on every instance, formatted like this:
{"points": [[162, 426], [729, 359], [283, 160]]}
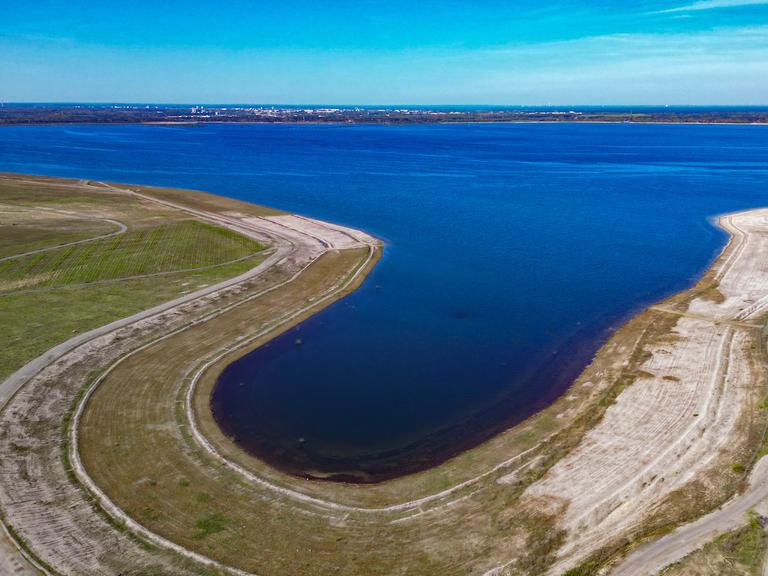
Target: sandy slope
{"points": [[679, 416]]}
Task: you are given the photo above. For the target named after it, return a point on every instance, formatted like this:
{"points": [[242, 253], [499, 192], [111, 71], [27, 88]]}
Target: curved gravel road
{"points": [[652, 557], [12, 561], [121, 229]]}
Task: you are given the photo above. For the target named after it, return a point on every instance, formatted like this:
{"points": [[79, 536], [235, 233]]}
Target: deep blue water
{"points": [[511, 251]]}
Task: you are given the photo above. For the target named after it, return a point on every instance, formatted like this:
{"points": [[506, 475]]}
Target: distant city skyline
{"points": [[596, 52]]}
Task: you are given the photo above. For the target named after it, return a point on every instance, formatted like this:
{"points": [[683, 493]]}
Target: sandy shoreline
{"points": [[682, 419], [646, 438], [646, 449]]}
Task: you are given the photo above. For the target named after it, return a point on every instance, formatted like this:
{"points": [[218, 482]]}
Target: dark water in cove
{"points": [[512, 250]]}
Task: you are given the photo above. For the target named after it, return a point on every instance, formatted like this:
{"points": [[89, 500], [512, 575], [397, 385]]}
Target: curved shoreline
{"points": [[286, 247], [721, 302], [532, 470], [730, 252], [431, 451], [197, 404], [718, 268]]}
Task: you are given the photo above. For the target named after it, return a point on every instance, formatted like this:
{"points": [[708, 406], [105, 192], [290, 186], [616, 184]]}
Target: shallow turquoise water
{"points": [[512, 251]]}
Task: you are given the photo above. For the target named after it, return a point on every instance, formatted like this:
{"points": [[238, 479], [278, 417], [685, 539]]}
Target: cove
{"points": [[511, 253]]}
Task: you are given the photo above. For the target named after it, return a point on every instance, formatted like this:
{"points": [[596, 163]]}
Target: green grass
{"points": [[18, 238], [181, 245], [210, 524], [202, 497], [45, 298], [33, 322]]}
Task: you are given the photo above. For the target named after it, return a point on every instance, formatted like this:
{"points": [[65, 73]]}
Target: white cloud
{"points": [[713, 4], [726, 66]]}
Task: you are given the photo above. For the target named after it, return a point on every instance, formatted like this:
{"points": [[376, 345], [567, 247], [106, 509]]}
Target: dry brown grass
{"points": [[205, 201]]}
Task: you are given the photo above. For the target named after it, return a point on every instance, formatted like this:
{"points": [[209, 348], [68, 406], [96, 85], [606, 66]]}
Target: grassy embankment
{"points": [[48, 296], [479, 525], [184, 495]]}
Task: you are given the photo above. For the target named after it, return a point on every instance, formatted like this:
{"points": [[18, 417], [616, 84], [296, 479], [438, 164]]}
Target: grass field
{"points": [[48, 296], [35, 321], [18, 234], [158, 249]]}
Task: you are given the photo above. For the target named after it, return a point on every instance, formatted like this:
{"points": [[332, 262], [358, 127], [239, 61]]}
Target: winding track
{"points": [[11, 384], [652, 557], [121, 229], [665, 548], [9, 561], [287, 246], [115, 510]]}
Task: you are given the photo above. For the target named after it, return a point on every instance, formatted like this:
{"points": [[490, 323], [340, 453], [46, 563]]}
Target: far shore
{"points": [[435, 123]]}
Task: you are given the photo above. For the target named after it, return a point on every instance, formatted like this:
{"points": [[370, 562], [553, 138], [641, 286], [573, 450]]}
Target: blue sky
{"points": [[386, 52]]}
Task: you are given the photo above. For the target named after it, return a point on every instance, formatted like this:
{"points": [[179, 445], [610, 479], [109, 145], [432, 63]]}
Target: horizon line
{"points": [[361, 105]]}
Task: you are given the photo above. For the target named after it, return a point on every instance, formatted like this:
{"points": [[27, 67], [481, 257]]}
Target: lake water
{"points": [[511, 252]]}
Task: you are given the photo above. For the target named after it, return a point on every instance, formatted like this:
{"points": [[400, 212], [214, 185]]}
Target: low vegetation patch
{"points": [[49, 296], [181, 245], [18, 235], [209, 524]]}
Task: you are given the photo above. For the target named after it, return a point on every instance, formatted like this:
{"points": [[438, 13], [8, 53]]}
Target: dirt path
{"points": [[51, 530], [652, 557], [681, 418], [11, 384], [121, 229], [11, 559], [138, 276], [286, 246]]}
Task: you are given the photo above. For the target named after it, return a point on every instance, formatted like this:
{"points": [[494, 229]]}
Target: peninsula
{"points": [[112, 462]]}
